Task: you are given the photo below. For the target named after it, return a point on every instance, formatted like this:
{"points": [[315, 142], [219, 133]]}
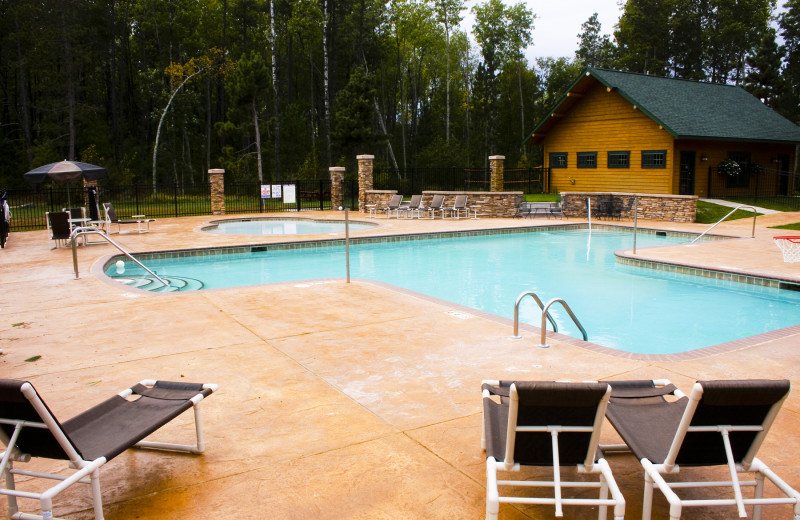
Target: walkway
{"points": [[336, 401]]}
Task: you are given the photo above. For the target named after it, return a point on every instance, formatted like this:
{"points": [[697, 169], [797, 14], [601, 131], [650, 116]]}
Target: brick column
{"points": [[217, 180], [337, 186], [497, 166], [364, 180]]}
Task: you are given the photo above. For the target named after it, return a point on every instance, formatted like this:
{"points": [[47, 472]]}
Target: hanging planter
{"points": [[730, 168]]}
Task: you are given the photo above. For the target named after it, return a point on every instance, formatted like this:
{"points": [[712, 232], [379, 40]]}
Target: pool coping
{"points": [[216, 222], [622, 256]]}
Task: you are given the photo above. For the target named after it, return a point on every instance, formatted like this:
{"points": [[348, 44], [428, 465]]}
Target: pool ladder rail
{"points": [[91, 230], [545, 316]]}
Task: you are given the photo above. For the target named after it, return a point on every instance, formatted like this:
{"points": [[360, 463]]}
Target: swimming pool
{"points": [[622, 307], [281, 226]]}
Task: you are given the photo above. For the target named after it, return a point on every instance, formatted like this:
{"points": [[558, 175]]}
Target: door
{"points": [[686, 178]]}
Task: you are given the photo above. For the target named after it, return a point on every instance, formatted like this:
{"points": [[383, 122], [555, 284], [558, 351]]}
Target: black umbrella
{"points": [[66, 171]]}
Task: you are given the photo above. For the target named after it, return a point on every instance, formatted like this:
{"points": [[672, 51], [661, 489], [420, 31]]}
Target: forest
{"points": [[159, 91]]}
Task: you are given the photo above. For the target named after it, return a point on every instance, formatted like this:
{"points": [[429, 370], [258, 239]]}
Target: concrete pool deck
{"points": [[336, 400]]}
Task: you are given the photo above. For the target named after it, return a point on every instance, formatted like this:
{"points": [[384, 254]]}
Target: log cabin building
{"points": [[623, 132]]}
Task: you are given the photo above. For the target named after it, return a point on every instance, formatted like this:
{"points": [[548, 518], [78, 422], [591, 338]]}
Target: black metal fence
{"points": [[756, 184], [28, 207], [416, 180]]}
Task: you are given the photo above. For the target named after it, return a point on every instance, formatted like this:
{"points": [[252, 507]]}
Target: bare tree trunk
{"points": [[521, 102], [23, 92], [258, 143], [70, 88], [326, 73], [276, 96], [383, 129], [447, 81]]}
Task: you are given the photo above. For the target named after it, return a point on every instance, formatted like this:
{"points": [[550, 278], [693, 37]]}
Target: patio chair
{"points": [[87, 441], [392, 205], [435, 206], [535, 423], [458, 208], [722, 423], [58, 228], [111, 219], [410, 209]]}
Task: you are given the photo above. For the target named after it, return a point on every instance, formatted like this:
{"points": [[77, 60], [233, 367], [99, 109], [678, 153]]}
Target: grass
{"points": [[795, 226], [710, 213]]}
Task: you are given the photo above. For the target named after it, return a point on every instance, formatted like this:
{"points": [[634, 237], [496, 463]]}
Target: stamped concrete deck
{"points": [[336, 401]]}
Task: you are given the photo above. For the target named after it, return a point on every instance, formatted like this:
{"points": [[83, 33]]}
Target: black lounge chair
{"points": [[58, 228], [88, 440], [722, 423], [535, 423], [111, 219]]}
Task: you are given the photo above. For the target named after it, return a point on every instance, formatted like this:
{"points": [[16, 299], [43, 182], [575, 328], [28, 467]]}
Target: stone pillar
{"points": [[217, 180], [364, 180], [337, 186], [497, 167]]}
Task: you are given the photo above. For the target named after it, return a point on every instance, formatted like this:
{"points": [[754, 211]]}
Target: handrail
{"points": [[734, 210], [571, 315], [541, 306], [90, 230]]}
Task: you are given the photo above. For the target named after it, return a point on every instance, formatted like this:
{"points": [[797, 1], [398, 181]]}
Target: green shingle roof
{"points": [[695, 110]]}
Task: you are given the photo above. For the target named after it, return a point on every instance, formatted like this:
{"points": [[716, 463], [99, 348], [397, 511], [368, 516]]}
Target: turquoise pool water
{"points": [[622, 307], [283, 226]]}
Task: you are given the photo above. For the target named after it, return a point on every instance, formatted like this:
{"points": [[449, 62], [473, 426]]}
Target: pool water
{"points": [[623, 307], [284, 226]]}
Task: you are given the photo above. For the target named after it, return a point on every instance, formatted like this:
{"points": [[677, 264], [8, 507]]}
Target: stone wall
{"points": [[217, 179], [499, 204], [671, 208]]}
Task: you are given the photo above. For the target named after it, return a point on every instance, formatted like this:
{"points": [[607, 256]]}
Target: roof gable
{"points": [[686, 109]]}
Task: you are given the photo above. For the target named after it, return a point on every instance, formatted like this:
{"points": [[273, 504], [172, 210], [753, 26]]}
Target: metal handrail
{"points": [[545, 312], [734, 210], [91, 230], [541, 306]]}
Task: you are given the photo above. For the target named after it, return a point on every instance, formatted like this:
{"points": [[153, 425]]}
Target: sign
{"points": [[265, 191], [289, 194], [276, 191]]}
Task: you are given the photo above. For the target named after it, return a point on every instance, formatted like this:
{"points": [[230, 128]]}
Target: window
{"points": [[558, 160], [654, 158], [587, 159], [619, 159], [743, 179]]}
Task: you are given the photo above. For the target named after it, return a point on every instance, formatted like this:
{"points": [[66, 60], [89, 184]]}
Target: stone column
{"points": [[364, 180], [497, 167], [337, 186], [217, 180]]}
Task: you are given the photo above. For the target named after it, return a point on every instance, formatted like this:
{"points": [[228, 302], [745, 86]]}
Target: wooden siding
{"points": [[602, 122]]}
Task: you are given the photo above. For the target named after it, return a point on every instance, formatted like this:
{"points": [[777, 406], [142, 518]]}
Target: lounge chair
{"points": [[393, 204], [411, 209], [458, 208], [436, 206], [722, 423], [88, 440], [111, 219], [58, 228], [537, 423]]}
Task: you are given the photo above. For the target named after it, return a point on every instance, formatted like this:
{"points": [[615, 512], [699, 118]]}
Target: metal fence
{"points": [[416, 180], [754, 185], [28, 207]]}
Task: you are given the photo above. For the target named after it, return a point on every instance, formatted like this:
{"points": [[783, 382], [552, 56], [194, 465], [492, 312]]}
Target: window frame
{"points": [[646, 153], [558, 155], [619, 153], [584, 156]]}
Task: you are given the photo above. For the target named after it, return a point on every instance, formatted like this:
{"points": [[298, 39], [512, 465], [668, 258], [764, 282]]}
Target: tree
{"points": [[764, 79], [249, 82], [643, 36], [789, 23], [353, 129], [594, 49], [448, 13]]}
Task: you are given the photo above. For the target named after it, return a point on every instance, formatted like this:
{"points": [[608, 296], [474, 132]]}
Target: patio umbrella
{"points": [[66, 171]]}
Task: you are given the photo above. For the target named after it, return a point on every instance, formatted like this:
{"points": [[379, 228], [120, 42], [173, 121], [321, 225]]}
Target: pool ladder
{"points": [[545, 316], [91, 230]]}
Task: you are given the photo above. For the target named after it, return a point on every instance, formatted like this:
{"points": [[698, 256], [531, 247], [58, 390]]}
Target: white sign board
{"points": [[289, 194]]}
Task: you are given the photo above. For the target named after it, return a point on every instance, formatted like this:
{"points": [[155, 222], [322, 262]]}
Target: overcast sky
{"points": [[558, 23]]}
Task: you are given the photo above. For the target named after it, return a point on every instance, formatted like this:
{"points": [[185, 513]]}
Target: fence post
{"points": [[365, 179], [497, 165], [217, 179], [337, 186]]}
